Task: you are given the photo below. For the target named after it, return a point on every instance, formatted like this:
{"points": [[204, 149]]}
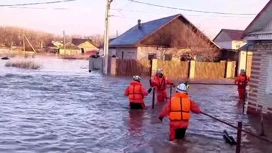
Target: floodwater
{"points": [[62, 108]]}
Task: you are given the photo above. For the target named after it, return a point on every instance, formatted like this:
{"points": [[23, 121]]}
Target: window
{"points": [[167, 57], [152, 56], [269, 76], [122, 54]]}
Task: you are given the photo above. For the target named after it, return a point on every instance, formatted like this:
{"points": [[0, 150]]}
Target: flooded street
{"points": [[62, 108]]}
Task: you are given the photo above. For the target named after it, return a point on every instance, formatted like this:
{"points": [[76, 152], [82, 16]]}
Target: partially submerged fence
{"points": [[210, 70], [173, 69], [130, 67], [229, 139]]}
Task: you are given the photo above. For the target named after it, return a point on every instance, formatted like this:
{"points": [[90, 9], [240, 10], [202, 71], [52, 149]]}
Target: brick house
{"points": [[233, 48], [259, 36], [163, 38]]}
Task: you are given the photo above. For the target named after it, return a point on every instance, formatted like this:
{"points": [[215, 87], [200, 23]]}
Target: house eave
{"points": [[259, 36]]}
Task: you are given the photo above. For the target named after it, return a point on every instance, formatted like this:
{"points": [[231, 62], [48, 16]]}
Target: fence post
{"points": [[90, 64], [154, 66], [189, 68], [113, 66], [262, 122], [150, 69], [229, 69], [192, 69], [153, 98], [239, 135], [171, 87]]}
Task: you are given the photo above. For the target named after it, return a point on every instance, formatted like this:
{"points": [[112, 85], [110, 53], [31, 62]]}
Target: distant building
{"points": [[84, 44], [159, 38], [231, 43], [70, 49], [259, 38], [53, 47]]}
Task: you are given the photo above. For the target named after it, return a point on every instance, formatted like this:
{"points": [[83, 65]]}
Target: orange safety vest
{"points": [[135, 93], [180, 107]]}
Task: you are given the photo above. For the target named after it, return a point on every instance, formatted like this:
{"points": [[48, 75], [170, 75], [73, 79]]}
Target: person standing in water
{"points": [[178, 110], [136, 92]]}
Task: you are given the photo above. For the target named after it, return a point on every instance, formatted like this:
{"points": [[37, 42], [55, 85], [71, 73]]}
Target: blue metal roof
{"points": [[134, 35]]}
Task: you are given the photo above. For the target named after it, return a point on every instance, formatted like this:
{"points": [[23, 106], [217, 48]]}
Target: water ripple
{"points": [[62, 108]]}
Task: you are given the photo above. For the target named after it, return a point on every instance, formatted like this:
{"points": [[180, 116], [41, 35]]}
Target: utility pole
{"points": [[64, 42], [106, 37]]}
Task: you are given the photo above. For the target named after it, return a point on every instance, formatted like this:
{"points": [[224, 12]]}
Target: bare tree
{"points": [[180, 38], [13, 36]]}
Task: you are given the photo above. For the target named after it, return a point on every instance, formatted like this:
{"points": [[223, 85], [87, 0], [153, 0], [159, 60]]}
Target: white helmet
{"points": [[159, 71], [243, 71], [181, 87], [136, 78]]}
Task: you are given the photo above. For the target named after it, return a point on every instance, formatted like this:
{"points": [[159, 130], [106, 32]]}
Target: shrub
{"points": [[74, 57], [23, 64]]}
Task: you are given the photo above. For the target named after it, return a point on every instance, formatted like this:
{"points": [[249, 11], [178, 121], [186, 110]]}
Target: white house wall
{"points": [[260, 77], [269, 77], [237, 44], [263, 96], [112, 52], [126, 53]]}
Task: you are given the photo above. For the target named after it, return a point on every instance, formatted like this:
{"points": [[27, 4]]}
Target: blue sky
{"points": [[86, 17]]}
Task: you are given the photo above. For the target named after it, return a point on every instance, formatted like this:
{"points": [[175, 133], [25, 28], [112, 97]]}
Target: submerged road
{"points": [[62, 108]]}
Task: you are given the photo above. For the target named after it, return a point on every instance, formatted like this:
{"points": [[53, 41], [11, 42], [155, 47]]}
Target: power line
{"points": [[37, 3], [119, 11], [189, 10], [37, 8]]}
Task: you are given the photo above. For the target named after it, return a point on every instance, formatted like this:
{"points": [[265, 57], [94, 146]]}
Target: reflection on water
{"points": [[64, 108]]}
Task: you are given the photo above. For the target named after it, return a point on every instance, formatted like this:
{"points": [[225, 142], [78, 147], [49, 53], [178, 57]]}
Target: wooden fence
{"points": [[130, 67], [210, 70], [174, 69]]}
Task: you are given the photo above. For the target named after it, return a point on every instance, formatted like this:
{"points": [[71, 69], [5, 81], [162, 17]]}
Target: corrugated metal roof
{"points": [[134, 35]]}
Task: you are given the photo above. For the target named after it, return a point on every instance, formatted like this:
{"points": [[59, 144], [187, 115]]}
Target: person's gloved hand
{"points": [[149, 90], [160, 118], [173, 85]]}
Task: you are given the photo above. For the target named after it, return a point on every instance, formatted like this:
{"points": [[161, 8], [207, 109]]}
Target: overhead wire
{"points": [[182, 13], [36, 3], [190, 10], [37, 8]]}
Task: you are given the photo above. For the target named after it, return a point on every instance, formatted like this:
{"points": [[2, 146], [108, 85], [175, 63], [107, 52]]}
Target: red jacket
{"points": [[136, 92], [160, 83], [241, 81], [179, 124]]}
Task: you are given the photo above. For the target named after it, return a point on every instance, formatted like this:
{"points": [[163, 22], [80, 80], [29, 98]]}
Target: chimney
{"points": [[139, 24]]}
